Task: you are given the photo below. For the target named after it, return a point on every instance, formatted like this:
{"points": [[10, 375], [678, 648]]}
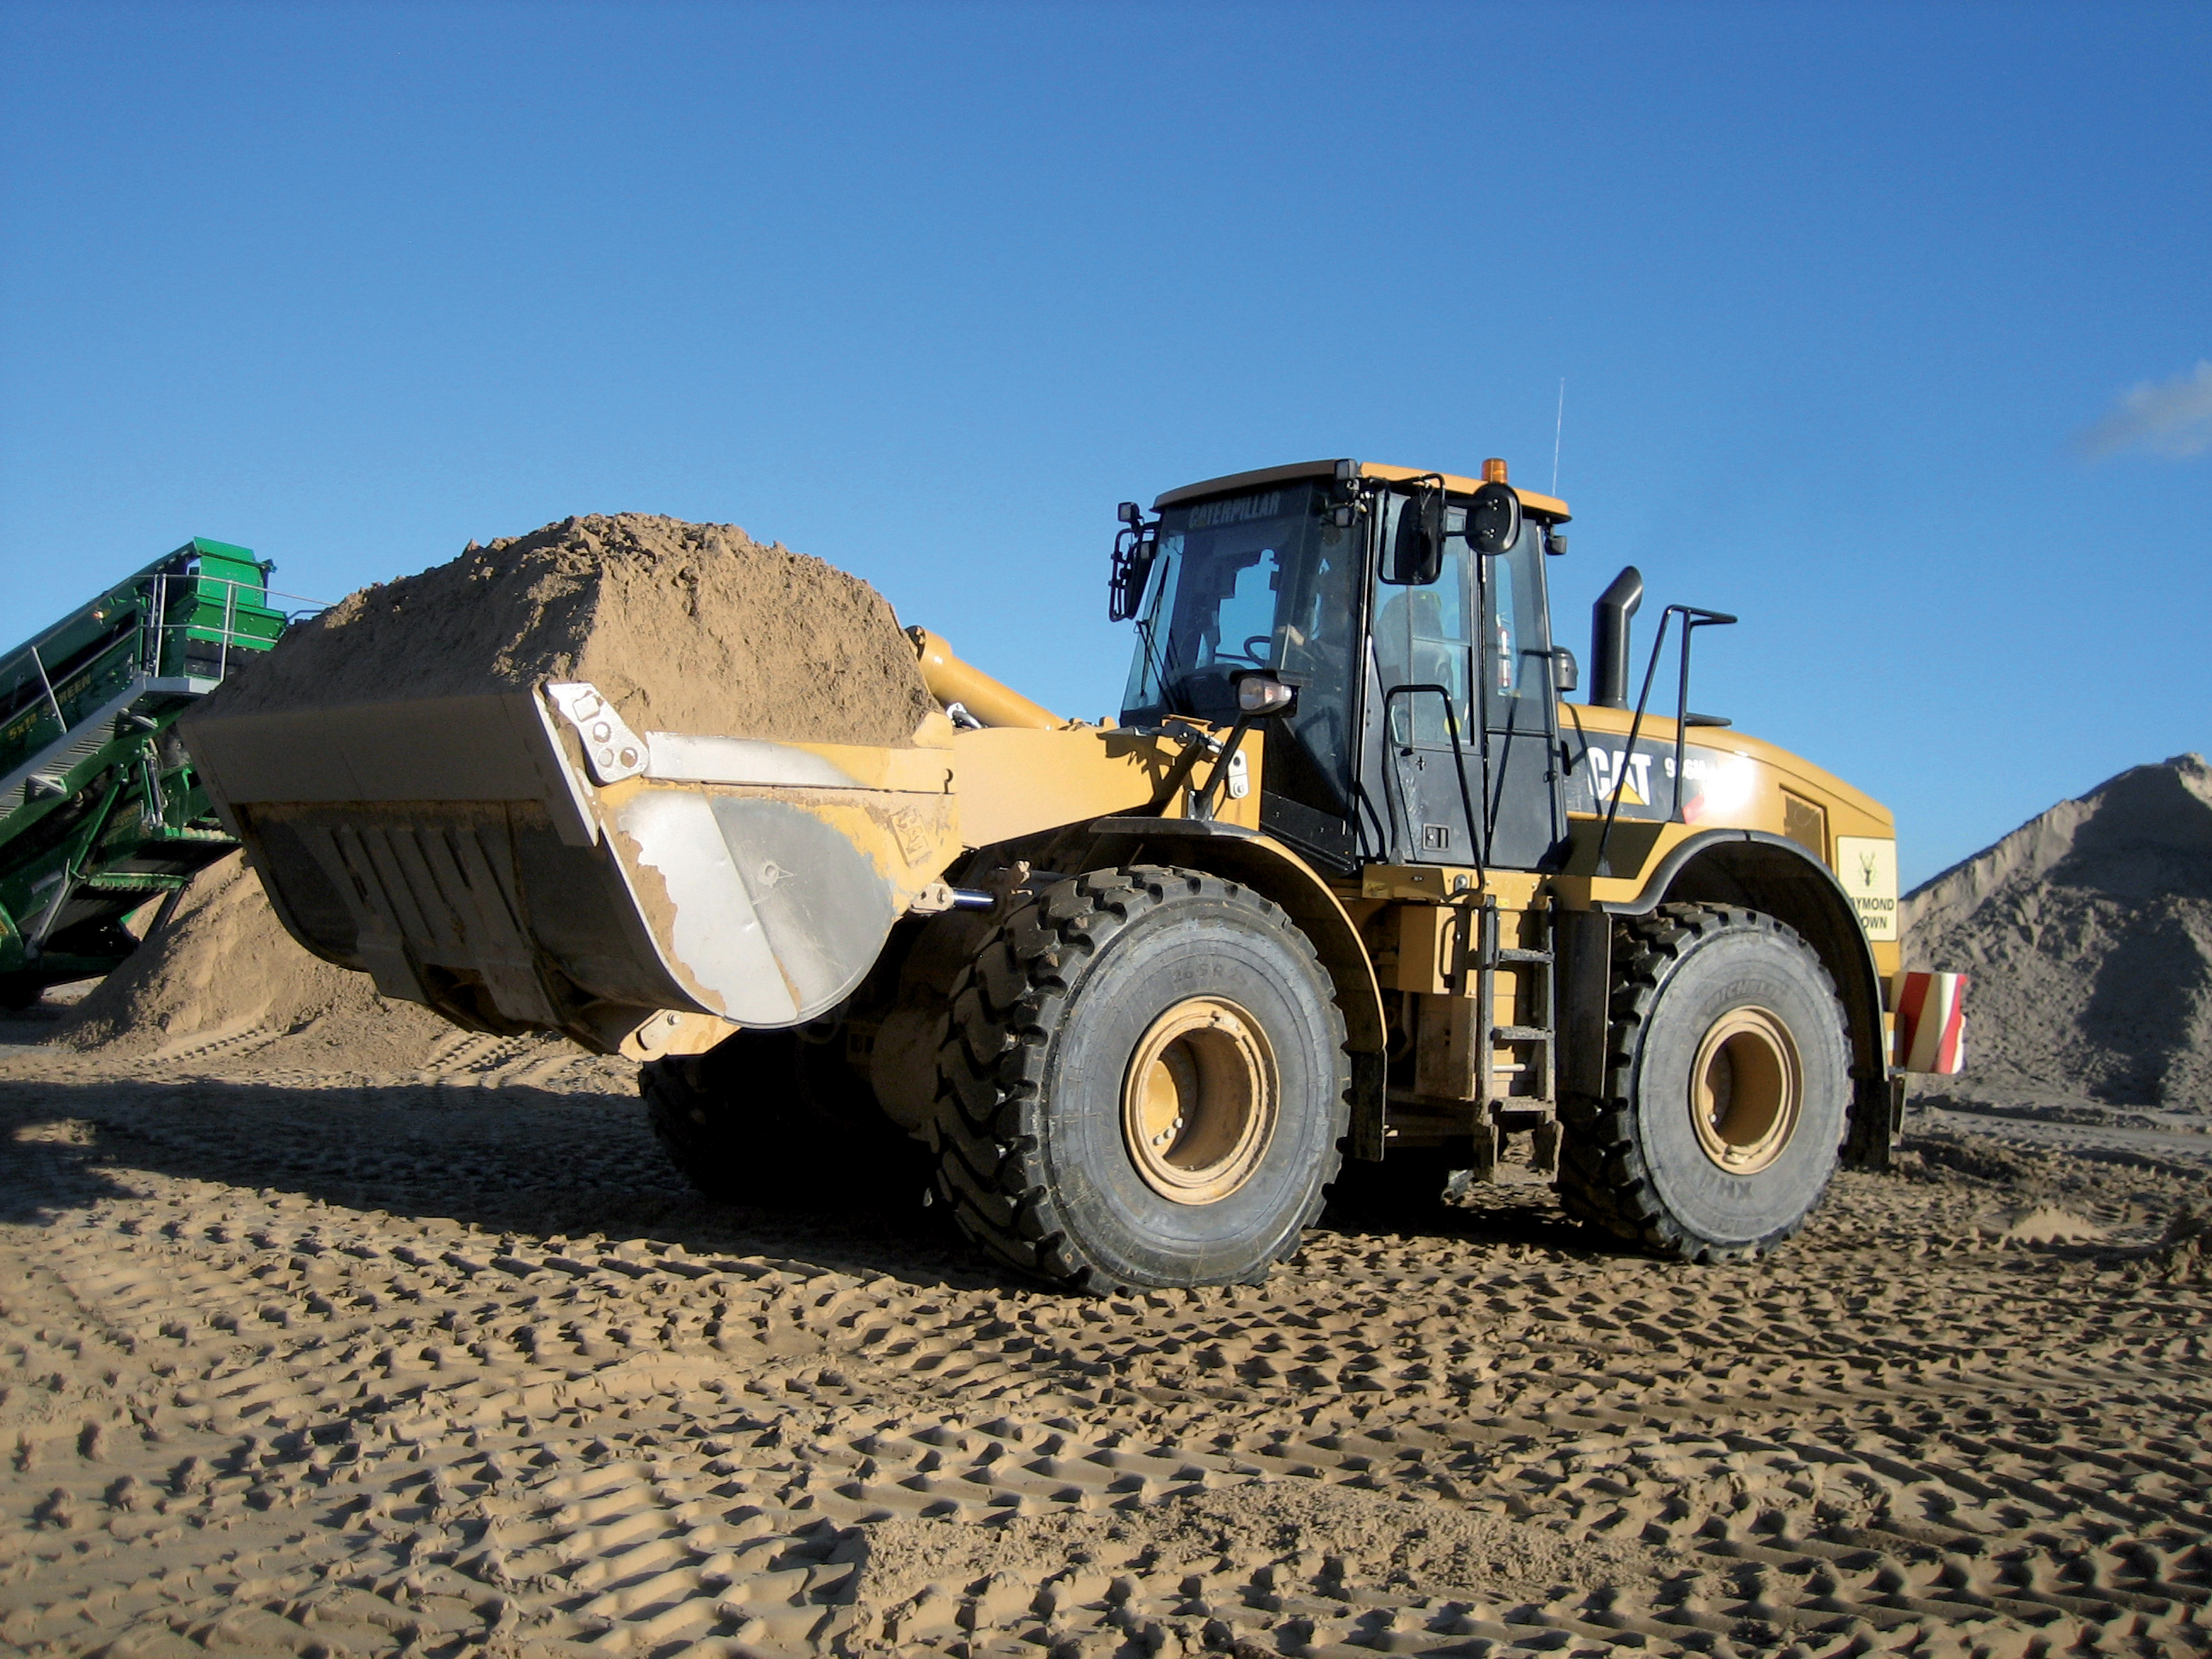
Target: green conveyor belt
{"points": [[100, 810]]}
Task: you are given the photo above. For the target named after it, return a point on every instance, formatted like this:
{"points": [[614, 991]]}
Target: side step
{"points": [[1499, 1112]]}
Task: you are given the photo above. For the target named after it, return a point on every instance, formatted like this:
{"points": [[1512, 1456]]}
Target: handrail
{"points": [[108, 665], [46, 682], [1693, 617], [47, 632], [152, 609], [1692, 620]]}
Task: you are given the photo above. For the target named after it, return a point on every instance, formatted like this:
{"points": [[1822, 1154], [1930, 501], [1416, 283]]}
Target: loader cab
{"points": [[1425, 721]]}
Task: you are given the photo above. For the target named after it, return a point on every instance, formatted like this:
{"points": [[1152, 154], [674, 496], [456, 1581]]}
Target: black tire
{"points": [[1637, 1162], [16, 994], [771, 1121], [1034, 1156]]}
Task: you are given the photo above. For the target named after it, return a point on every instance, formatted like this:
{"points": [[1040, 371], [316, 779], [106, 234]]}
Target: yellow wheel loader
{"points": [[1352, 885]]}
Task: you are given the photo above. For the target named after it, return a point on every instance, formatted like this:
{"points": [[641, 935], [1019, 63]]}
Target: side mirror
{"points": [[1262, 692], [1493, 519], [1565, 676], [1135, 546], [1416, 548]]}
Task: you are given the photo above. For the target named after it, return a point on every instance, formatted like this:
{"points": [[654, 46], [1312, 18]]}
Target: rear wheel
{"points": [[1145, 1085], [1728, 1080]]}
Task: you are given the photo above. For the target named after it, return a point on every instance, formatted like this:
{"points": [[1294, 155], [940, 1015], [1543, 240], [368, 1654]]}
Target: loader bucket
{"points": [[522, 860]]}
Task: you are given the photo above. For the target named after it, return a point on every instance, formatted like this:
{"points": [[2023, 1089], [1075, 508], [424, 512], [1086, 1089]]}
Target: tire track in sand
{"points": [[418, 1366]]}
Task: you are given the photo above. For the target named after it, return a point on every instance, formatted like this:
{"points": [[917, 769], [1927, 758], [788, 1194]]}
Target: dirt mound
{"points": [[221, 974], [686, 627], [2089, 933]]}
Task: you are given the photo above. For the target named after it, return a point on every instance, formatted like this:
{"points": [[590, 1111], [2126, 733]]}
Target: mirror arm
{"points": [[1201, 800], [1196, 746], [1484, 634]]}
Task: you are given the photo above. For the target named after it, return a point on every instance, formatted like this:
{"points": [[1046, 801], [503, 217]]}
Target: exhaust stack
{"points": [[1609, 619]]}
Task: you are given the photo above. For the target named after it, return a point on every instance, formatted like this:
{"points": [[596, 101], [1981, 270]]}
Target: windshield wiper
{"points": [[1158, 669]]}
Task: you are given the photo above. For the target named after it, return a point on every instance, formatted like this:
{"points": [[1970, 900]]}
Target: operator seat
{"points": [[1415, 645]]}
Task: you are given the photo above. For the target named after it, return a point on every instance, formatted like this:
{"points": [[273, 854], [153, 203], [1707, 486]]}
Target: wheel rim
{"points": [[1198, 1101], [1747, 1091]]}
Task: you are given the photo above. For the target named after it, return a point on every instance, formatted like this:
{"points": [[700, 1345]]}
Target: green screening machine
{"points": [[100, 813]]}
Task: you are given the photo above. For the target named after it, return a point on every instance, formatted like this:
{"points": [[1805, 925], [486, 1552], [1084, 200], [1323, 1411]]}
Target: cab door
{"points": [[1518, 710], [1423, 706]]}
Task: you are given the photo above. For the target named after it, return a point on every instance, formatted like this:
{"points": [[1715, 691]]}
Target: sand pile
{"points": [[221, 972], [2089, 933], [686, 627]]}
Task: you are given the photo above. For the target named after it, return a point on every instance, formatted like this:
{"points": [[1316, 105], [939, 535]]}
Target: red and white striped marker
{"points": [[1931, 1022]]}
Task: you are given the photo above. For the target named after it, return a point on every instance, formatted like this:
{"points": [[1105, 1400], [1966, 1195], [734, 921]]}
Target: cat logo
{"points": [[1868, 867], [1612, 770]]}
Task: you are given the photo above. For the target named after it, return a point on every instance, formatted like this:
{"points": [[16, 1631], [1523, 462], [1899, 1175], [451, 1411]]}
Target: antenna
{"points": [[1558, 425]]}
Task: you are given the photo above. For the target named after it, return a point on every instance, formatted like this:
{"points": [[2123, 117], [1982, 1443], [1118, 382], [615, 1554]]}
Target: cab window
{"points": [[1517, 641], [1425, 636]]}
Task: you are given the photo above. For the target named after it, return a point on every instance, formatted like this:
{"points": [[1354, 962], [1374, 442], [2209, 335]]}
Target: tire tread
{"points": [[988, 1126], [1602, 1178]]}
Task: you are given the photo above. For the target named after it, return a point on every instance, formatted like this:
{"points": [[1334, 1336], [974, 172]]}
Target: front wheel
{"points": [[1146, 1084], [1728, 1086]]}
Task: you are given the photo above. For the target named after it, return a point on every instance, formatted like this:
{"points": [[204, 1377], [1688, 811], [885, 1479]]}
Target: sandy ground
{"points": [[454, 1363]]}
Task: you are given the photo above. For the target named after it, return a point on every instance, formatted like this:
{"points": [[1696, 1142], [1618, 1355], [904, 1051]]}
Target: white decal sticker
{"points": [[1867, 866], [1609, 773]]}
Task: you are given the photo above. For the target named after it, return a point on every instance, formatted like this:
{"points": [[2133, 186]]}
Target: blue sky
{"points": [[1886, 328]]}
